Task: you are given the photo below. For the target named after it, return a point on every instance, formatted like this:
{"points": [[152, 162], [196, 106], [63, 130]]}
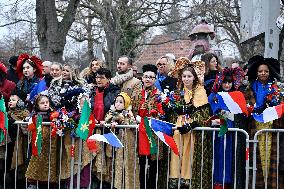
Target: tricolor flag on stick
{"points": [[233, 102], [270, 114], [35, 126], [109, 137], [3, 120], [164, 131]]}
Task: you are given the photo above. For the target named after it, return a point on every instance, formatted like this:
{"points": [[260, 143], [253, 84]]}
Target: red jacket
{"points": [[7, 88]]}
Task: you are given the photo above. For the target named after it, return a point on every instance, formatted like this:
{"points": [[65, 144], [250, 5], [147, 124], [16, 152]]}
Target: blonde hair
{"points": [[74, 76]]}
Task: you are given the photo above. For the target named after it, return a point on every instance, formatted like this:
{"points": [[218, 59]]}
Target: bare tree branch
{"points": [[17, 21]]}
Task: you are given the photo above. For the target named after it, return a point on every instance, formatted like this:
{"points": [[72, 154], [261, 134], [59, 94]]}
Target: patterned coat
{"points": [[146, 104]]}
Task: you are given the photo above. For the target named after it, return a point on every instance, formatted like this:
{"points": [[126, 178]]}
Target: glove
{"points": [[184, 129], [187, 127]]}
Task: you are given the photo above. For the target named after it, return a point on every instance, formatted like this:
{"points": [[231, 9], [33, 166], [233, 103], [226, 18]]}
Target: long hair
{"points": [[89, 70], [74, 77], [206, 58], [191, 69]]}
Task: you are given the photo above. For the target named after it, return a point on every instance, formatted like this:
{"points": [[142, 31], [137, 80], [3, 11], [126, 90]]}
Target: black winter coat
{"points": [[169, 83], [110, 93]]}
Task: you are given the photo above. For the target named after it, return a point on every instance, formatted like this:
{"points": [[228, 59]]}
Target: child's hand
{"points": [[113, 124], [24, 129], [102, 123], [130, 114]]}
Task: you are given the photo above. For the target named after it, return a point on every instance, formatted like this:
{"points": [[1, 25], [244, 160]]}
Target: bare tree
{"points": [[125, 21], [50, 31]]}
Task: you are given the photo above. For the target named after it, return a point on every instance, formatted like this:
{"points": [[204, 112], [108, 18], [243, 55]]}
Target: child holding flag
{"points": [[121, 114], [146, 105], [43, 147]]}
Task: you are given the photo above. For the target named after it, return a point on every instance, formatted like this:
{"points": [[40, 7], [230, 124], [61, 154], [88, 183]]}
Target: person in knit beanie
{"points": [[121, 114]]}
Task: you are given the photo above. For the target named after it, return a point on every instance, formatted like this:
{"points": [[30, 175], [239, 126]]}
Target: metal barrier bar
{"points": [[202, 129], [255, 141], [5, 160]]}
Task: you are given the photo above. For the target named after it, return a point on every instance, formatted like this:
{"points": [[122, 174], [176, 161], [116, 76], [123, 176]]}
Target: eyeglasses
{"points": [[149, 77], [159, 64]]}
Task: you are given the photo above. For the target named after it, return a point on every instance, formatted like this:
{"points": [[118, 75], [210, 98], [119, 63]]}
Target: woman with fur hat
{"points": [[121, 114], [189, 108], [261, 93], [6, 86], [29, 70]]}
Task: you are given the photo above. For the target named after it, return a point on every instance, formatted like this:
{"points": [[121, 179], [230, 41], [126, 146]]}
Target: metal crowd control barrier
{"points": [[255, 142], [236, 131]]}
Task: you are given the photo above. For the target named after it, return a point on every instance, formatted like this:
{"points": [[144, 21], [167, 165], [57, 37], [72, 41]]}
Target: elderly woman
{"points": [[261, 93], [164, 82]]}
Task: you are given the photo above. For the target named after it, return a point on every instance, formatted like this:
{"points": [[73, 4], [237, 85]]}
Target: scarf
{"points": [[119, 79], [160, 79], [260, 92]]}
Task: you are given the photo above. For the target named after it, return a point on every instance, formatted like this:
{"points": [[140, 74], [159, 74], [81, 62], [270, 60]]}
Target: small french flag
{"points": [[270, 114], [108, 137], [160, 128], [233, 102]]}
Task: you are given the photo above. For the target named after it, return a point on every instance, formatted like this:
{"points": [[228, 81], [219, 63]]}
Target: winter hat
{"points": [[33, 60], [13, 60], [126, 98], [3, 68]]}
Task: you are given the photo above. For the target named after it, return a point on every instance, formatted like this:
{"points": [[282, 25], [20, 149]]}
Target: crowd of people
{"points": [[181, 91]]}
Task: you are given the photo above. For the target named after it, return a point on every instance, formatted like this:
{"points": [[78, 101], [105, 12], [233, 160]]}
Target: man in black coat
{"points": [[165, 82], [11, 74]]}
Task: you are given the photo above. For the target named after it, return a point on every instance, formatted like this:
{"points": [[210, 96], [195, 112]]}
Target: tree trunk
{"points": [[51, 33], [113, 50], [281, 53], [90, 51]]}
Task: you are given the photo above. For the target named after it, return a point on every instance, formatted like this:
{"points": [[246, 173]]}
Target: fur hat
{"points": [[182, 62], [150, 68], [3, 68], [126, 98], [255, 61], [235, 73], [33, 60]]}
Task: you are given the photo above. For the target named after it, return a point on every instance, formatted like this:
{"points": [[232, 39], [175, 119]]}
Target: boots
{"points": [[220, 186]]}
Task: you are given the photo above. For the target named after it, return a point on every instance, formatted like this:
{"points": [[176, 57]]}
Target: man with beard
{"points": [[125, 77]]}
